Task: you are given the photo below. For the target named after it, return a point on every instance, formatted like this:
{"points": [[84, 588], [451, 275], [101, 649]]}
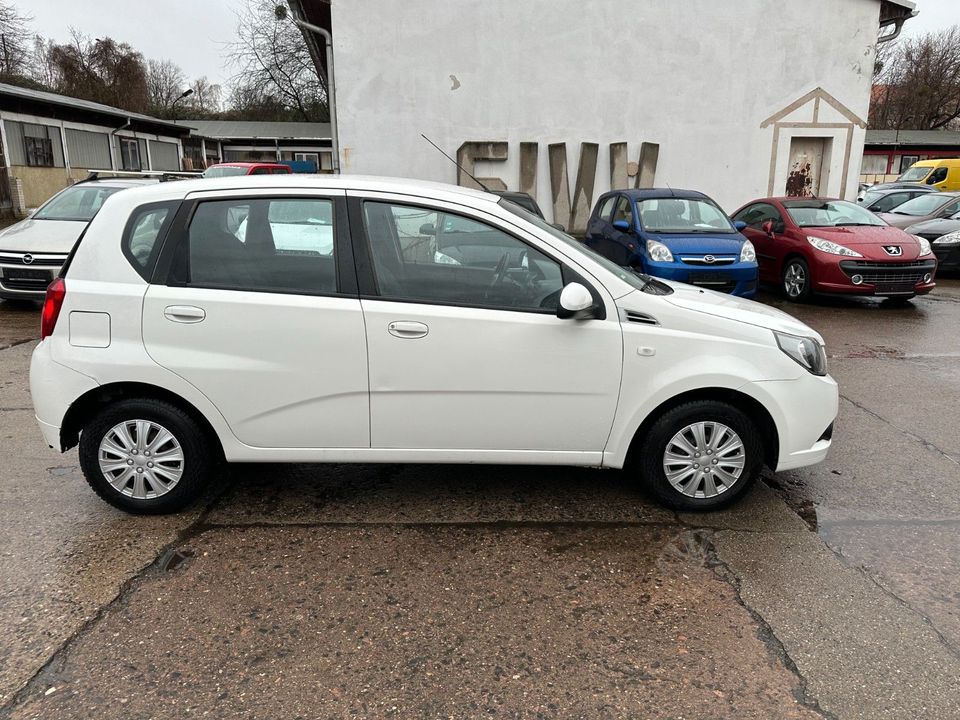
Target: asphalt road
{"points": [[420, 591]]}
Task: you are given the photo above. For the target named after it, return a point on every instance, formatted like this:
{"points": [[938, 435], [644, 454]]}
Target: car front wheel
{"points": [[797, 283], [700, 455], [145, 456]]}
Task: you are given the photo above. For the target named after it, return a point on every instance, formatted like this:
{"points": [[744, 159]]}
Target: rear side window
{"points": [[271, 245], [144, 233]]}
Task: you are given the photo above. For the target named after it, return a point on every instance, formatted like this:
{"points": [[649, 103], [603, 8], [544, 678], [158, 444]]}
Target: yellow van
{"points": [[943, 174]]}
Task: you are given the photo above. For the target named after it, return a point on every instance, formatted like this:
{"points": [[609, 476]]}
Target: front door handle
{"points": [[184, 313], [407, 329]]}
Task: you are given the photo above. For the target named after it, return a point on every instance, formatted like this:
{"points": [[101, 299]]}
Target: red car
{"points": [[246, 168], [810, 245]]}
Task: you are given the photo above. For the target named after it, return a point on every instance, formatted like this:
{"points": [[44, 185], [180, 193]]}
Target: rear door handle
{"points": [[184, 313], [407, 329]]}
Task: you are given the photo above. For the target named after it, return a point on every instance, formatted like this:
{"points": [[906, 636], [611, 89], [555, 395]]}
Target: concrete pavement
{"points": [[413, 591]]}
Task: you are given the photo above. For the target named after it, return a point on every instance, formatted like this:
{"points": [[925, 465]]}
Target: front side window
{"points": [[888, 202], [624, 212], [829, 213], [756, 215], [266, 244], [937, 176], [683, 215], [433, 256], [77, 203]]}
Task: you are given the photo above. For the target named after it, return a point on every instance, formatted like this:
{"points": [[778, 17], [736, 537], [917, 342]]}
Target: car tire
{"points": [[796, 283], [688, 486], [109, 445]]}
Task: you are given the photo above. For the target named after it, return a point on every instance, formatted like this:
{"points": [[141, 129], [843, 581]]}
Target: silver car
{"points": [[924, 207], [32, 251]]}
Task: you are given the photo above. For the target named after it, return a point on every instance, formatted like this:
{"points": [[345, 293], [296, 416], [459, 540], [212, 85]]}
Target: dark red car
{"points": [[810, 245], [246, 168]]}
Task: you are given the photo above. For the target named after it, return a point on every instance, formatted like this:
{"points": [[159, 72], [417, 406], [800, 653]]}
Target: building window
{"points": [[129, 154], [39, 151], [907, 161]]}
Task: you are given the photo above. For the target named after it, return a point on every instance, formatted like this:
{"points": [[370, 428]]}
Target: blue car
{"points": [[679, 235]]}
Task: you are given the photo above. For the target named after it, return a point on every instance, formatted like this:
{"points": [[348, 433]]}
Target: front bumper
{"points": [[736, 279], [884, 279], [948, 257], [22, 280]]}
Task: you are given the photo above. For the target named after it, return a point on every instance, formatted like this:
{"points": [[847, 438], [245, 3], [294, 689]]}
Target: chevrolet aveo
{"points": [[350, 319]]}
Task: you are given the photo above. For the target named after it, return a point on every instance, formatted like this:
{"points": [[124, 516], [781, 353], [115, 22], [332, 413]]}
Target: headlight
{"points": [[924, 245], [948, 239], [658, 251], [747, 252], [804, 350], [831, 247]]}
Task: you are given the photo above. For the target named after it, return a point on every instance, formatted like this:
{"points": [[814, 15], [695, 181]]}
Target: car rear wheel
{"points": [[797, 283], [145, 456], [700, 455]]}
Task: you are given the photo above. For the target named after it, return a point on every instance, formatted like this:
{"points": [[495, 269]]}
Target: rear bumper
{"points": [[737, 279], [54, 388]]}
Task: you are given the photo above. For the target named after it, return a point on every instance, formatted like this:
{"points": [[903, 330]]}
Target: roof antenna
{"points": [[455, 162], [672, 194]]}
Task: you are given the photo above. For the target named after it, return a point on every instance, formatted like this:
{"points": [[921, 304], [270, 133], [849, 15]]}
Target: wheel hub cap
{"points": [[141, 459], [794, 280], [704, 459]]}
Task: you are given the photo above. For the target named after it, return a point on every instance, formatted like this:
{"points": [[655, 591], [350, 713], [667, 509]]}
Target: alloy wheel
{"points": [[704, 459], [794, 280], [141, 459]]}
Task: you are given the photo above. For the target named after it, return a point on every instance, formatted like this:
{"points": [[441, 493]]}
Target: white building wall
{"points": [[698, 77]]}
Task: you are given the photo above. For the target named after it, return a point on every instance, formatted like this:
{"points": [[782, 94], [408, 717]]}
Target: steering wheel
{"points": [[531, 267], [499, 273]]}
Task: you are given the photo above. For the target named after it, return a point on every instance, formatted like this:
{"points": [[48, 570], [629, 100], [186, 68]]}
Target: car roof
{"points": [[904, 187], [658, 193], [401, 186], [118, 182]]}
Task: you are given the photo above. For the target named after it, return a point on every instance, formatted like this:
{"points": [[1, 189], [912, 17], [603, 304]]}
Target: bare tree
{"points": [[917, 83], [15, 41], [165, 83], [272, 61], [206, 97]]}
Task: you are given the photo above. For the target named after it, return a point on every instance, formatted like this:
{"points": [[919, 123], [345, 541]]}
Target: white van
{"points": [[349, 319]]}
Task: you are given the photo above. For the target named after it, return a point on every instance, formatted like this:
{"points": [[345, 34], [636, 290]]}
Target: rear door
{"points": [[254, 303]]}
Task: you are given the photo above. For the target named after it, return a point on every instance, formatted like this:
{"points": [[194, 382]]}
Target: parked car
{"points": [[513, 343], [943, 234], [231, 169], [924, 207], [680, 235], [886, 199], [943, 174], [527, 202], [865, 188], [810, 245], [33, 250]]}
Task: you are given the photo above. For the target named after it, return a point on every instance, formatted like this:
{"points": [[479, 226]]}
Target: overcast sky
{"points": [[193, 32]]}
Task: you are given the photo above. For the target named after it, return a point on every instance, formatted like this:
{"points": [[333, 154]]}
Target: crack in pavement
{"points": [[913, 436], [15, 343]]}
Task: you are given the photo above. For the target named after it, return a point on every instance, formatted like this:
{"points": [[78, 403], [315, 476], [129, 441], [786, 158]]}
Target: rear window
{"points": [[225, 171], [144, 233]]}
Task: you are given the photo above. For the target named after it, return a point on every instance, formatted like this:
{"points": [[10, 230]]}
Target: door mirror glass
{"points": [[739, 225], [621, 225], [575, 302], [428, 229], [768, 227]]}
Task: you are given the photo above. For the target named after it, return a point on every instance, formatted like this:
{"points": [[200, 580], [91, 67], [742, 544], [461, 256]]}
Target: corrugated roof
{"points": [[77, 103], [913, 137], [227, 129]]}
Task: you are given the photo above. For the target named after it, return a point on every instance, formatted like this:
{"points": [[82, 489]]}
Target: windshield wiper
{"points": [[642, 276], [856, 225]]}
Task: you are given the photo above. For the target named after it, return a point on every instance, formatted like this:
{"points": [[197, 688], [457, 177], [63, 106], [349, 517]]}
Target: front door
{"points": [[466, 350], [257, 316], [769, 249]]}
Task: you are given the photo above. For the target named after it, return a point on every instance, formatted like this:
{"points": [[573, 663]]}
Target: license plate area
{"points": [[711, 278], [27, 274]]}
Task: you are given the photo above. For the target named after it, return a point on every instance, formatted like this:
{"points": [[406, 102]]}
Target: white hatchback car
{"points": [[350, 319], [33, 250]]}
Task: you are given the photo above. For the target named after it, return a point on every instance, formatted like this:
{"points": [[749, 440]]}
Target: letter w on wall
{"points": [[576, 211]]}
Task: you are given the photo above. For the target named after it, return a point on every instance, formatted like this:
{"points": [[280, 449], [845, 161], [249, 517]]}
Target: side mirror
{"points": [[428, 229], [575, 302], [739, 225], [621, 225], [768, 227]]}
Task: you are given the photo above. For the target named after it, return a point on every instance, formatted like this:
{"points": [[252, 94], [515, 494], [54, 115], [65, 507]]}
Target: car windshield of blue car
{"points": [[77, 203], [683, 215], [829, 213]]}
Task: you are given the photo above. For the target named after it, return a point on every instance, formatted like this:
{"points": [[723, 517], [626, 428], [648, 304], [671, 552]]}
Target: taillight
{"points": [[56, 292]]}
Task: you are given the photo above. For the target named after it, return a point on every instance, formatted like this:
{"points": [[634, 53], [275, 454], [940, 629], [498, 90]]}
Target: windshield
{"points": [[923, 205], [638, 280], [829, 213], [77, 203], [683, 215], [915, 174], [225, 171]]}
